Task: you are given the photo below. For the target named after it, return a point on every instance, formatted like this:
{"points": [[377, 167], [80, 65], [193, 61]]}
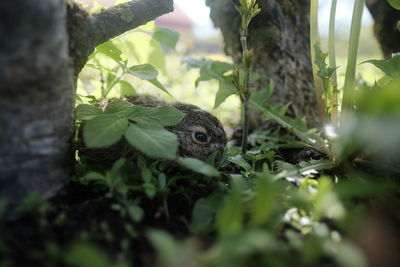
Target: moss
{"points": [[290, 7], [126, 14]]}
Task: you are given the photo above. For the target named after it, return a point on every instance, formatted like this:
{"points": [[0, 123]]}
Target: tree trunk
{"points": [[36, 98], [39, 63], [385, 27], [279, 36]]}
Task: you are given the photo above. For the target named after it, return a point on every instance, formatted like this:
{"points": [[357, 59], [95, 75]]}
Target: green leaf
{"points": [[390, 67], [226, 88], [238, 160], [149, 73], [210, 68], [166, 37], [143, 71], [111, 50], [162, 116], [296, 172], [198, 166], [153, 141], [150, 190], [136, 213], [157, 84], [87, 112], [86, 255], [126, 88], [296, 126], [104, 130], [204, 211], [324, 71], [265, 196], [230, 216], [118, 107], [261, 96], [394, 3]]}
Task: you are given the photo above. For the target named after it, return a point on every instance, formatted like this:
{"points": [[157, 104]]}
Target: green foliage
{"points": [[259, 208], [394, 3], [391, 66], [198, 166], [220, 71], [141, 127], [154, 141], [167, 37], [326, 74], [86, 255], [136, 55], [104, 130]]}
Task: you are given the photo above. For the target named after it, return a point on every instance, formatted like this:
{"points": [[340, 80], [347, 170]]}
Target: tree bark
{"points": [[36, 98], [279, 36], [385, 27], [42, 50]]}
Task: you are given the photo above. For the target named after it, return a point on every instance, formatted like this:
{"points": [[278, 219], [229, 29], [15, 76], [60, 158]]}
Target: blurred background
{"points": [[199, 39]]}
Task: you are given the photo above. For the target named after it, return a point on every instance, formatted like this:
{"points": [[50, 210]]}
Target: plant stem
{"points": [[314, 38], [245, 99], [349, 83], [332, 61], [246, 124]]}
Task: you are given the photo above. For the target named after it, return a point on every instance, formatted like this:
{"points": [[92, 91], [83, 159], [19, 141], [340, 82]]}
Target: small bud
{"points": [[248, 58]]}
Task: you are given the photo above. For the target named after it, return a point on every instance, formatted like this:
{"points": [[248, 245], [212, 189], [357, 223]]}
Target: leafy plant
{"points": [[141, 127]]}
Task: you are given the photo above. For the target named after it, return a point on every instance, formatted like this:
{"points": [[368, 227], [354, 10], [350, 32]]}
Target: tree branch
{"points": [[124, 17], [87, 31]]}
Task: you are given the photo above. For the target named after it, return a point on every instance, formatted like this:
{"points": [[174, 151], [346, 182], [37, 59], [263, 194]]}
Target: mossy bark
{"points": [[279, 36]]}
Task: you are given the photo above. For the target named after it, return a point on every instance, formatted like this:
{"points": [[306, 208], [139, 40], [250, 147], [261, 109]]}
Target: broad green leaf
{"points": [[153, 141], [126, 88], [161, 116], [157, 84], [193, 63], [261, 96], [111, 50], [394, 3], [238, 160], [87, 112], [390, 67], [104, 130], [198, 166], [150, 190], [135, 212], [166, 37], [230, 216], [139, 47], [264, 200], [118, 107], [216, 67], [226, 88], [204, 211], [86, 255], [143, 71]]}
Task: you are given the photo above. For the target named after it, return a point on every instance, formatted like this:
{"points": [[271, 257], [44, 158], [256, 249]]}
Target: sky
{"points": [[199, 13]]}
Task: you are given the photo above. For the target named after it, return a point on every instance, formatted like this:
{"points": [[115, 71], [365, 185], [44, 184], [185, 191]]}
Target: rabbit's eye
{"points": [[200, 137]]}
